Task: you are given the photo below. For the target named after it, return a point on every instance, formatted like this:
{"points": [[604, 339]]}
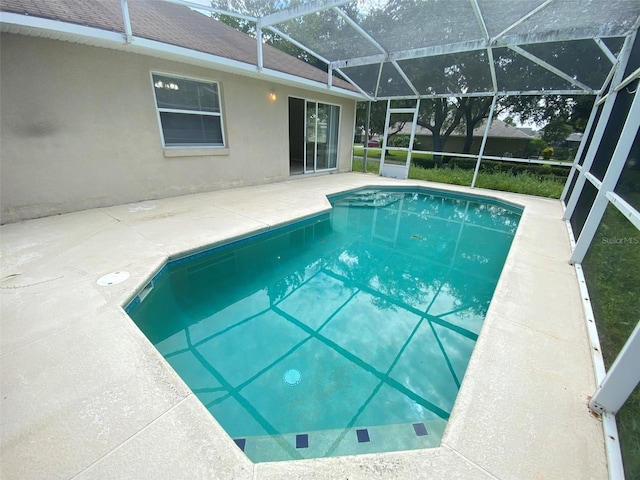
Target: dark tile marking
{"points": [[302, 441], [240, 442], [420, 429], [363, 435]]}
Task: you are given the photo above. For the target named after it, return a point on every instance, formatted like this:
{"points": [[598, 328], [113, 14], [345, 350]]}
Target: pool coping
{"points": [[530, 421]]}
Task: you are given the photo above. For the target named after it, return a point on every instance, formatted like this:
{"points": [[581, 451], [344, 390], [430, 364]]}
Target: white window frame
{"points": [[159, 110]]}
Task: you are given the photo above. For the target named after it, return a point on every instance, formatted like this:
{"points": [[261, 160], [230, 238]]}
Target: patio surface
{"points": [[85, 394]]}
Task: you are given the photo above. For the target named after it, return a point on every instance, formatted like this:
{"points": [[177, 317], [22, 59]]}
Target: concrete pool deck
{"points": [[85, 394]]}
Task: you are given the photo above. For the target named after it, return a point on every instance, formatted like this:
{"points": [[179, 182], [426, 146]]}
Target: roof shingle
{"points": [[172, 24]]}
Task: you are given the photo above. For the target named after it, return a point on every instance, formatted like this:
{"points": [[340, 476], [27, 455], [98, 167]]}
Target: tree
{"points": [[475, 111], [560, 115], [536, 145], [441, 116], [556, 131]]}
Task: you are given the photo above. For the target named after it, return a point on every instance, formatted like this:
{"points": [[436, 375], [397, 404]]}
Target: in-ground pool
{"points": [[346, 333]]}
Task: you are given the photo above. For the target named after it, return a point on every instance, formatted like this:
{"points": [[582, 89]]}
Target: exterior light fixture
{"points": [[272, 95]]}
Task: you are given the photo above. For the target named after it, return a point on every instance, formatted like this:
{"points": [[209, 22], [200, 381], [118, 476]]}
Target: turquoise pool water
{"points": [[346, 333]]}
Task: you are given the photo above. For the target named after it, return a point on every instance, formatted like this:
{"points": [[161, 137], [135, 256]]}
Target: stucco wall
{"points": [[79, 130]]}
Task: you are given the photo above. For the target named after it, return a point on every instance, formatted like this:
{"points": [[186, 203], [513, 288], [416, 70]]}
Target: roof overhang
{"points": [[69, 32]]}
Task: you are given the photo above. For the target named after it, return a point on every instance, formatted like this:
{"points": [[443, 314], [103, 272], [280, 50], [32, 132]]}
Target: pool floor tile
{"points": [[420, 429], [302, 441], [363, 435]]}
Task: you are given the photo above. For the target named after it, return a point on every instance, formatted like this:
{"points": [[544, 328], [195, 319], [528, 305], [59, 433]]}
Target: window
{"points": [[189, 112]]}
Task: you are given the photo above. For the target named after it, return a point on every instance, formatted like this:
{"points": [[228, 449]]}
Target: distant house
{"points": [[92, 116], [504, 140]]}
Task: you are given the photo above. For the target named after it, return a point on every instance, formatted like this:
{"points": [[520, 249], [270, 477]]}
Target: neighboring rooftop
{"points": [[498, 129]]}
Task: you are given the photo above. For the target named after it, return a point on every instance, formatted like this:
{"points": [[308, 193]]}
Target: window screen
{"points": [[189, 112]]}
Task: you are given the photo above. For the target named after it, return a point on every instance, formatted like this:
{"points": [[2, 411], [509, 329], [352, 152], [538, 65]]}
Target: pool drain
{"points": [[292, 377], [113, 278]]}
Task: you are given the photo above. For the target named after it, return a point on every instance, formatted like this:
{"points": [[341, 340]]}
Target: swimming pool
{"points": [[346, 333]]}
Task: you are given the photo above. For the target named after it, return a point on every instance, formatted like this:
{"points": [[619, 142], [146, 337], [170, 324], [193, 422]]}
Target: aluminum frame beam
{"points": [[363, 33], [487, 39], [608, 184], [632, 76], [522, 20], [625, 208], [491, 93], [128, 34], [621, 379], [612, 58], [600, 127], [468, 46], [484, 140], [575, 167]]}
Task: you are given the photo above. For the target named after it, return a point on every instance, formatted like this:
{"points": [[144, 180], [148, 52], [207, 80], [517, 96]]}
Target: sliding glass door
{"points": [[321, 136]]}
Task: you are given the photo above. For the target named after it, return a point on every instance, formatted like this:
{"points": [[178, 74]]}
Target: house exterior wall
{"points": [[79, 130]]}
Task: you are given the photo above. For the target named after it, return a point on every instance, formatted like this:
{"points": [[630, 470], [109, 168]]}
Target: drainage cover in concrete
{"points": [[113, 278]]}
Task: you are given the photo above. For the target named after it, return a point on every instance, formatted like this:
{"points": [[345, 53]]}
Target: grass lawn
{"points": [[544, 186], [398, 156], [612, 271]]}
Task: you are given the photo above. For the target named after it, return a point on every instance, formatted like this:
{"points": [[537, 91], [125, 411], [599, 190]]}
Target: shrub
{"points": [[545, 169], [402, 141], [423, 162], [562, 153], [547, 153], [463, 163]]}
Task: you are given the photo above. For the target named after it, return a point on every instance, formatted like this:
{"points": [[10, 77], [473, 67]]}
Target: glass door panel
{"points": [[311, 132], [321, 127]]}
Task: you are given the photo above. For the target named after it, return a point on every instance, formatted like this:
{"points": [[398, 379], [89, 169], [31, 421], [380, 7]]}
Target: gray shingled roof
{"points": [[498, 129], [172, 24]]}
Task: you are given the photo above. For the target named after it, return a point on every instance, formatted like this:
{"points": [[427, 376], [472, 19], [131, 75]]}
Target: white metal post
{"points": [[259, 45], [384, 138], [574, 171], [413, 135], [128, 34], [621, 379], [484, 141], [366, 137]]}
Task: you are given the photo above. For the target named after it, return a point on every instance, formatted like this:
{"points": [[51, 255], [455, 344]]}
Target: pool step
{"points": [[370, 198]]}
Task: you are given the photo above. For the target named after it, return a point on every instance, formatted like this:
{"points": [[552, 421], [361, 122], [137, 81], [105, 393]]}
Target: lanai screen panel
{"points": [[328, 34], [614, 44], [516, 73], [407, 25], [392, 84], [579, 19], [400, 48], [449, 74], [365, 76], [570, 58]]}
